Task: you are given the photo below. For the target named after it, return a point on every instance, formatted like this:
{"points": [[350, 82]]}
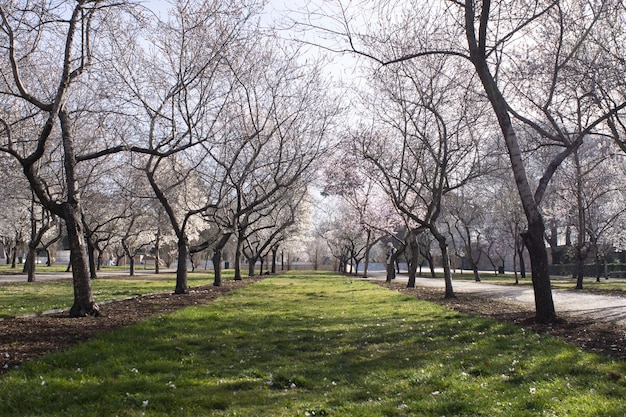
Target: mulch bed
{"points": [[22, 339], [593, 336]]}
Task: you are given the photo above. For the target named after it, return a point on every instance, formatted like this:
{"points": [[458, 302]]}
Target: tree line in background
{"points": [[470, 99], [189, 129], [476, 130]]}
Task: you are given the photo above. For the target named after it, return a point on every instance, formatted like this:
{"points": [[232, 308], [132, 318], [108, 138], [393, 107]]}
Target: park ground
{"points": [[301, 344], [25, 338]]}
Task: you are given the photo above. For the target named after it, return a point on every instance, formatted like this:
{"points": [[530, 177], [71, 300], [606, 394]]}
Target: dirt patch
{"points": [[592, 336], [22, 339]]}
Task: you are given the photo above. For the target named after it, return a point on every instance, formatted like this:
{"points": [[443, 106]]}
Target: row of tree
{"points": [[472, 124], [107, 108], [453, 89]]}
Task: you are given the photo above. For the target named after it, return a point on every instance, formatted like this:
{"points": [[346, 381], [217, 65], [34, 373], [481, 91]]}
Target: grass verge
{"points": [[315, 344], [32, 298]]}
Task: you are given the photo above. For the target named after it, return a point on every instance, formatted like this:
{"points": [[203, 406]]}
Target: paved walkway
{"points": [[610, 309]]}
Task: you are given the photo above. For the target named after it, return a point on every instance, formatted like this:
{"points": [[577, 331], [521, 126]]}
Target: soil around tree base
{"points": [[23, 339]]}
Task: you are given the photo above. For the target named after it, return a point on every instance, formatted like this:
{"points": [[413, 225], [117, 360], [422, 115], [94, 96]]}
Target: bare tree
{"points": [[41, 222], [465, 219], [49, 49], [179, 84], [427, 150], [590, 188], [546, 66], [271, 228], [274, 142]]}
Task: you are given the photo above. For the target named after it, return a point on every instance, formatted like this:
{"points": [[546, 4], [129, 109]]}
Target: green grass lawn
{"points": [[317, 344], [25, 298]]}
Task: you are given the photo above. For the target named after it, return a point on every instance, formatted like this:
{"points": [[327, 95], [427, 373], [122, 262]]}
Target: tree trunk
{"points": [[238, 261], [581, 258], [131, 258], [181, 268], [84, 304], [554, 243], [99, 259], [49, 261], [544, 304], [157, 250], [412, 260], [581, 247], [274, 253], [366, 263], [391, 268], [131, 265], [520, 255], [251, 264], [580, 274], [91, 253], [534, 236], [445, 259], [30, 264], [217, 267], [475, 271]]}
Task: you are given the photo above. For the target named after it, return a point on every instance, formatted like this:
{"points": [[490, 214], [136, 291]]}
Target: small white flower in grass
{"points": [[435, 393], [43, 383], [333, 383], [505, 377], [592, 391], [134, 370], [171, 385], [533, 390], [292, 386], [145, 403]]}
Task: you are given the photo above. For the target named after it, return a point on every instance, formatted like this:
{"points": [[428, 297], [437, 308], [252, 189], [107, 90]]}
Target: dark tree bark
{"points": [[217, 267], [534, 235], [413, 250], [217, 259], [181, 268], [157, 252], [274, 253], [84, 304]]}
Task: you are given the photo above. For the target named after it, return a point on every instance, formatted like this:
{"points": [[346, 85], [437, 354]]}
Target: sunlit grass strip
{"points": [[25, 299], [313, 345]]}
